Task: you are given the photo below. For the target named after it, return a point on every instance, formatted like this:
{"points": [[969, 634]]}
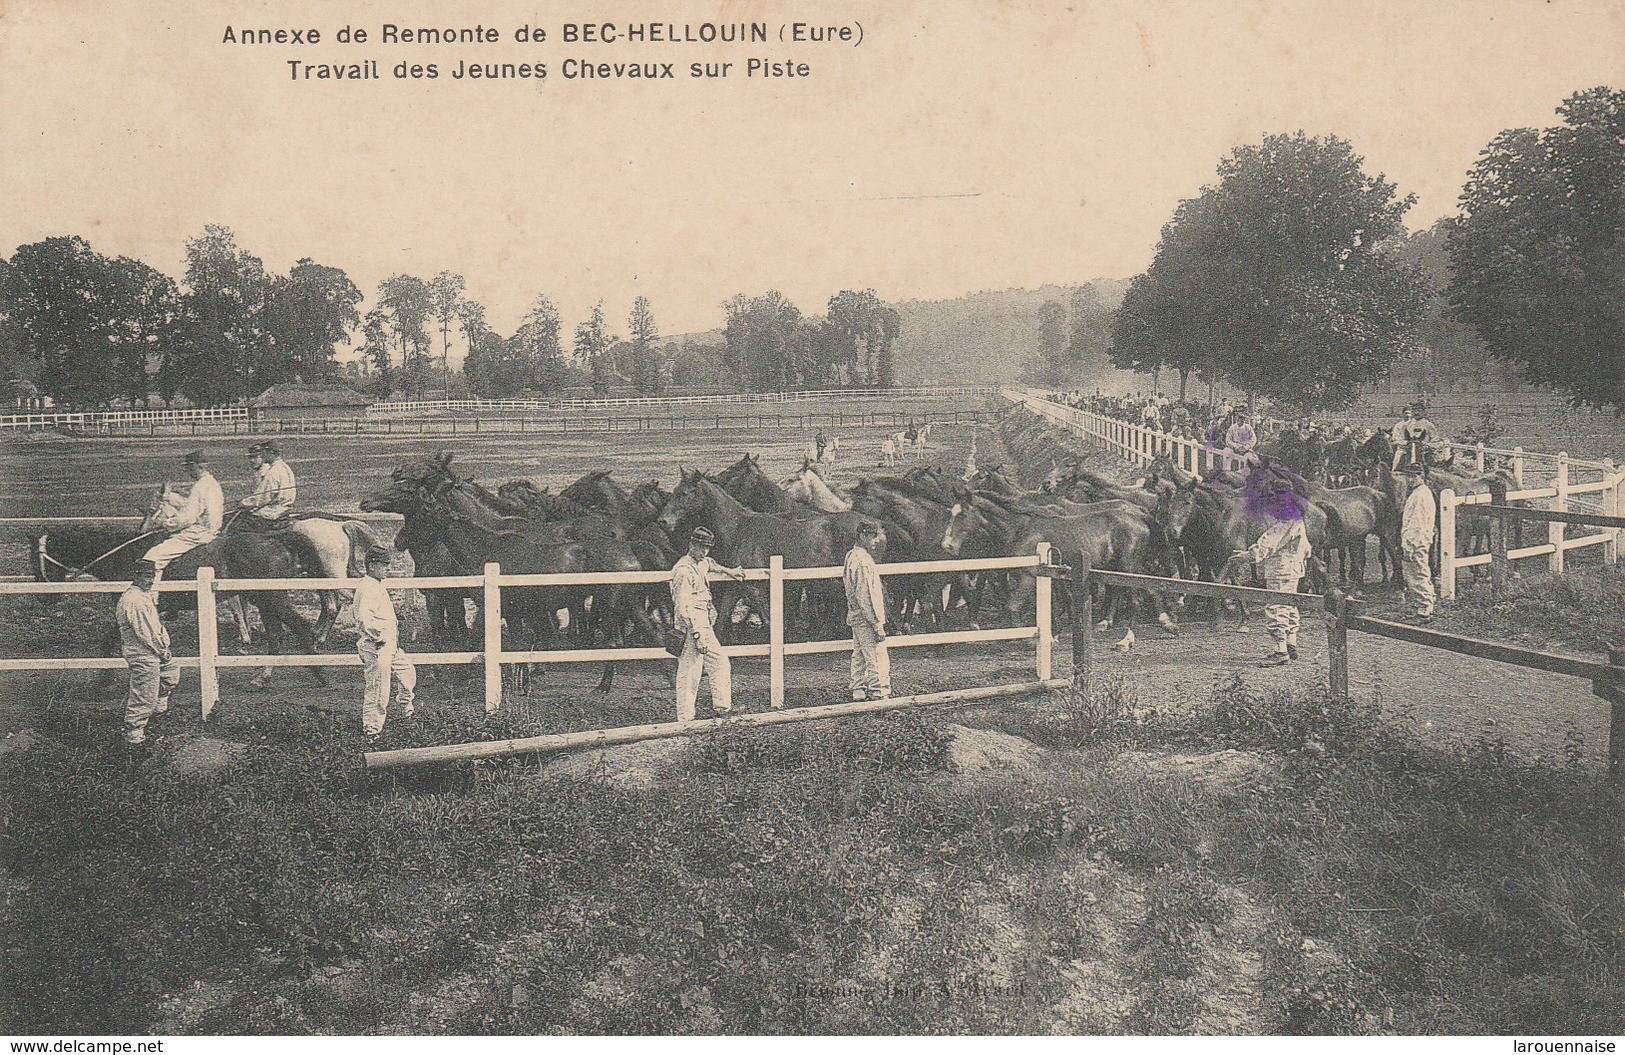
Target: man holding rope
{"points": [[198, 521]]}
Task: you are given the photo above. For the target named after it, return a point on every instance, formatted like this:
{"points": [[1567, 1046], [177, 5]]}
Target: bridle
{"points": [[42, 557]]}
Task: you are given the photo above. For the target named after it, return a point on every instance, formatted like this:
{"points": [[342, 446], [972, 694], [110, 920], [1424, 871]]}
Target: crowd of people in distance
{"points": [[1225, 427]]}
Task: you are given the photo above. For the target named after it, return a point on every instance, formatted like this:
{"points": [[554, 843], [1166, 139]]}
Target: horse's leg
{"points": [[107, 680], [234, 604], [613, 602], [330, 615], [275, 606], [269, 618]]}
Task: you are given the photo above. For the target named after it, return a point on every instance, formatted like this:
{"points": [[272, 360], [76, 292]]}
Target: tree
{"points": [[1450, 352], [445, 298], [537, 345], [89, 327], [865, 327], [592, 345], [1539, 251], [407, 306], [310, 312], [142, 308], [1278, 278], [1089, 338], [1052, 332], [224, 352], [769, 345], [646, 368], [375, 341]]}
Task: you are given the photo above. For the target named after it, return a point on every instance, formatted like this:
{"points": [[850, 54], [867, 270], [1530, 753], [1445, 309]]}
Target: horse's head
{"points": [[1174, 509], [44, 567], [688, 499], [410, 486], [650, 496], [160, 513], [1052, 479], [963, 519]]}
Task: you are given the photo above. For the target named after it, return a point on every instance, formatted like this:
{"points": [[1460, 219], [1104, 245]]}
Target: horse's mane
{"points": [[908, 488]]}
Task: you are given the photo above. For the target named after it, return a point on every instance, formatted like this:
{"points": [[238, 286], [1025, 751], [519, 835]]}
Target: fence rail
{"points": [[206, 588], [542, 426], [488, 405], [114, 419]]}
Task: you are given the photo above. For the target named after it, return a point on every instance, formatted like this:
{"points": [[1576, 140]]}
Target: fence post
{"points": [[1043, 616], [1613, 690], [1560, 503], [491, 615], [775, 631], [1337, 642], [1610, 507], [1517, 467], [208, 641], [1479, 457], [1447, 544], [1083, 624], [1498, 557]]}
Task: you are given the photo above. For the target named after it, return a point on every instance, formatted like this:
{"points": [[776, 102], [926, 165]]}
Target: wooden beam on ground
{"points": [[536, 745], [1472, 646], [1192, 588]]}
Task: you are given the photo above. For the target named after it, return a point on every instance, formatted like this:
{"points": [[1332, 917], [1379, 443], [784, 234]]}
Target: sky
{"points": [[961, 146]]}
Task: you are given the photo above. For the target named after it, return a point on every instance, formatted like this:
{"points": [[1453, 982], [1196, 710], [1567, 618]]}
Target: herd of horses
{"points": [[1169, 524]]}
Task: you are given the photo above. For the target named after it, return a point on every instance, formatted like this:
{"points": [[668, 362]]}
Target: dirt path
{"points": [[1448, 698]]}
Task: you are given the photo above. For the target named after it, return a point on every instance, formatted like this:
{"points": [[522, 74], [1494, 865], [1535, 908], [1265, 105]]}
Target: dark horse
{"points": [[440, 512], [110, 555]]}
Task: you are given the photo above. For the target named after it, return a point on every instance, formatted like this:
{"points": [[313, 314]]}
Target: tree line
{"points": [[1294, 277], [87, 330]]}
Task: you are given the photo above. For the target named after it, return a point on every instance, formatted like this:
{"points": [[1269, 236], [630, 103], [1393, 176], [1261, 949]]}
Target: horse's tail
{"points": [[362, 538]]}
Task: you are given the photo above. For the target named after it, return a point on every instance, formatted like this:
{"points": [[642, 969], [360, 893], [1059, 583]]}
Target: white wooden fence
{"points": [[482, 406], [110, 419], [1135, 442], [209, 660], [1603, 492], [1609, 492]]}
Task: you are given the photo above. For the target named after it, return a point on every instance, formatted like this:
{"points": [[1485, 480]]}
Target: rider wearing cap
{"points": [[1413, 436], [1280, 555], [197, 521], [267, 508], [1239, 441], [695, 614]]}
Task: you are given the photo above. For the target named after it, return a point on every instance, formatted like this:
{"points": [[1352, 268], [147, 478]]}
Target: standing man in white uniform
{"points": [[378, 641], [695, 616]]}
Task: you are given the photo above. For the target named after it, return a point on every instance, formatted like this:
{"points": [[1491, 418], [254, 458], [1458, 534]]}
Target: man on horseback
{"points": [[866, 614], [267, 508], [144, 641], [1280, 555], [819, 443], [1412, 436], [1240, 439], [694, 615], [197, 521]]}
